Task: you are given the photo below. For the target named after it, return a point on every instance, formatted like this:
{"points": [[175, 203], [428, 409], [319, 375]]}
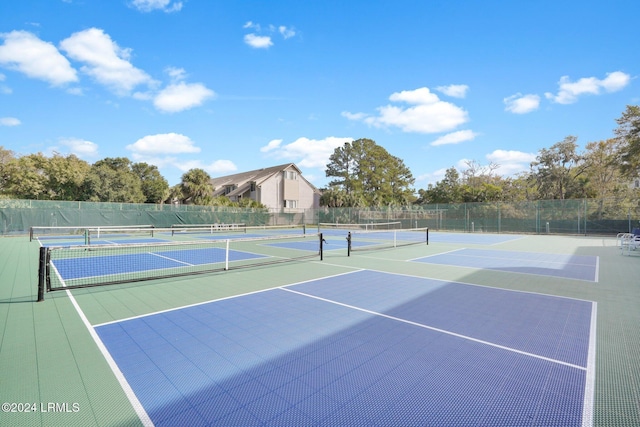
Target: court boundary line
{"points": [[513, 272], [590, 380], [124, 384], [520, 237], [439, 253], [471, 284], [595, 280], [589, 369], [515, 259], [217, 299], [443, 331], [353, 270], [172, 259]]}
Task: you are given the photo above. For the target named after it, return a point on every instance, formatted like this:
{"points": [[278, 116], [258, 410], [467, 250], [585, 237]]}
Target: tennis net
{"points": [[69, 267], [365, 240], [332, 228], [231, 229], [71, 233]]}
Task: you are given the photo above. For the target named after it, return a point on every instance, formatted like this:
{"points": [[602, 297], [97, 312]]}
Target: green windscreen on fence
{"points": [[573, 216]]}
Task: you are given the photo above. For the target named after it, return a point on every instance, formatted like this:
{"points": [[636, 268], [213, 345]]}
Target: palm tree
{"points": [[196, 187]]}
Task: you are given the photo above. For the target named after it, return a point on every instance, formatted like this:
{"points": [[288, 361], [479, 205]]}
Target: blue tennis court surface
{"points": [[580, 267], [365, 348], [93, 266]]}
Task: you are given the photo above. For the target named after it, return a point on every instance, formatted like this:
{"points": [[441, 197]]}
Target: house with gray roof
{"points": [[281, 188]]}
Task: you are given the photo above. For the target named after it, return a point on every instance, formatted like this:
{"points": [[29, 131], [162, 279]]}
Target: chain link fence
{"points": [[574, 216]]}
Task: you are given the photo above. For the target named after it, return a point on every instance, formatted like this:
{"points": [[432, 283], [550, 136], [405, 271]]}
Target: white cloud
{"points": [[510, 162], [272, 145], [615, 81], [569, 91], [307, 153], [164, 143], [80, 147], [522, 104], [455, 138], [429, 115], [218, 167], [3, 88], [456, 91], [151, 5], [182, 96], [353, 116], [9, 121], [286, 32], [258, 42], [161, 150], [26, 53], [418, 96], [105, 61], [433, 177], [176, 74]]}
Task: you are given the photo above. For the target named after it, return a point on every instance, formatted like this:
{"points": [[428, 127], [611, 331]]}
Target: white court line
{"points": [[505, 269], [590, 380], [128, 391], [172, 259], [507, 258], [443, 331], [438, 254], [218, 299]]}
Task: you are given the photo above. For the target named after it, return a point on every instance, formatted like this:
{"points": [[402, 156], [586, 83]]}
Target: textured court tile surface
{"points": [[281, 358]]}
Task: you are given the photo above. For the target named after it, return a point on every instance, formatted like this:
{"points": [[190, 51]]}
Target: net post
{"points": [[349, 244], [31, 234], [427, 235], [42, 266], [321, 247], [86, 236], [226, 257]]}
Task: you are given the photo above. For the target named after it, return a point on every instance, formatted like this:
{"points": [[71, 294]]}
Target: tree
{"points": [[66, 177], [112, 180], [365, 170], [602, 169], [628, 134], [342, 165], [154, 186], [603, 174], [6, 158], [479, 184], [334, 197], [28, 177], [448, 190], [175, 194], [196, 187], [556, 170]]}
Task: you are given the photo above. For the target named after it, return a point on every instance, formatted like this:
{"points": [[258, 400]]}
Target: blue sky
{"points": [[230, 86]]}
